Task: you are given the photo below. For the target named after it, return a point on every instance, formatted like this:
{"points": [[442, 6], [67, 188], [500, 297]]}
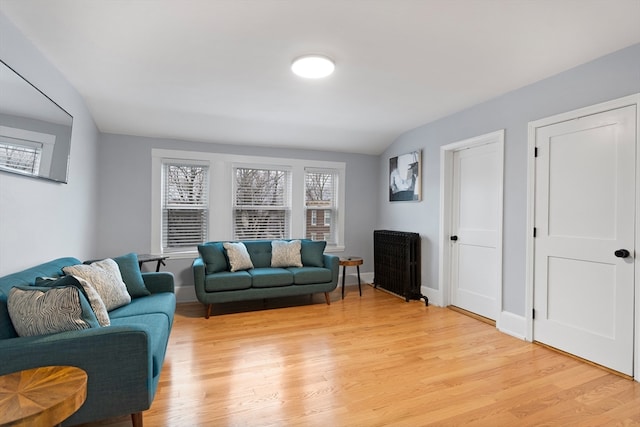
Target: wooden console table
{"points": [[43, 396]]}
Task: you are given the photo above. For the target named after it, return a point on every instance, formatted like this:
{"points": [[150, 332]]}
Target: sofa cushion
{"points": [[270, 277], [162, 303], [105, 277], [309, 275], [212, 254], [44, 310], [285, 253], [131, 275], [227, 281], [312, 253], [239, 258], [89, 292]]}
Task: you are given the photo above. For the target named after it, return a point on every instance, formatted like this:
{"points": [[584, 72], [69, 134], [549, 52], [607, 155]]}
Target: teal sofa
{"points": [[215, 283], [123, 361]]}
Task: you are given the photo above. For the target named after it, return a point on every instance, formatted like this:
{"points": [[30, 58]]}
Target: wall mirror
{"points": [[35, 132]]}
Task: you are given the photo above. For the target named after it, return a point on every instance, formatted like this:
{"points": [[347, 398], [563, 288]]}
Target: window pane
{"points": [[23, 158], [261, 224], [262, 204], [320, 191], [261, 187], [185, 206]]}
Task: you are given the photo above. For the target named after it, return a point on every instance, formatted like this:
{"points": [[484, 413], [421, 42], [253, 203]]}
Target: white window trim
{"points": [[46, 140], [221, 188]]}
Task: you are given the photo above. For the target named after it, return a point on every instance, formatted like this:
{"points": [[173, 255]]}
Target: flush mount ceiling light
{"points": [[313, 66]]}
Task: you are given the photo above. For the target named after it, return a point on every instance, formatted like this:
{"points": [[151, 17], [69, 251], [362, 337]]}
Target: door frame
{"points": [[531, 177], [446, 212]]}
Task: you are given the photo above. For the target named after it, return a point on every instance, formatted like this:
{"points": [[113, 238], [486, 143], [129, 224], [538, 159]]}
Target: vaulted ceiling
{"points": [[219, 70]]}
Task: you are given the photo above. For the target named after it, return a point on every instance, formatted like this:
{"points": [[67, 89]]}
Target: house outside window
{"points": [[320, 192], [262, 203], [185, 206]]}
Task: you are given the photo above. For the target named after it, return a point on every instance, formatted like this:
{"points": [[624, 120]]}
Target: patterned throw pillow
{"points": [[238, 256], [285, 254], [41, 311], [105, 278], [89, 292]]}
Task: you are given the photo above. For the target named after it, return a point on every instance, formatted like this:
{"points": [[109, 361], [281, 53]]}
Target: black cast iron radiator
{"points": [[396, 258]]}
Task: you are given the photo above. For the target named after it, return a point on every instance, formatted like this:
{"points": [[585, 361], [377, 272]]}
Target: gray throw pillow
{"points": [[105, 278], [238, 256], [285, 254]]}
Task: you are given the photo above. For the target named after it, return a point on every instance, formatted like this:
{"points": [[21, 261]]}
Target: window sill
{"points": [[181, 255]]}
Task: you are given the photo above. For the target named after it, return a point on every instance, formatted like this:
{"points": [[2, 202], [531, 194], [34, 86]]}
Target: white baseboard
{"points": [[185, 293], [434, 295], [512, 324]]}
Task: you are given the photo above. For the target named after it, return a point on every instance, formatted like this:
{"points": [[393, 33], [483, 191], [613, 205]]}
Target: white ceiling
{"points": [[218, 70]]}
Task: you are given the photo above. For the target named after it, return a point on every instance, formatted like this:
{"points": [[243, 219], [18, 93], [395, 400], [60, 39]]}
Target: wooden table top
{"points": [[351, 261], [43, 396]]}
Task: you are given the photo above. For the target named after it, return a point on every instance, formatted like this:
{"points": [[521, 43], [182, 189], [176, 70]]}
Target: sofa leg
{"points": [[136, 419], [326, 297], [206, 316]]}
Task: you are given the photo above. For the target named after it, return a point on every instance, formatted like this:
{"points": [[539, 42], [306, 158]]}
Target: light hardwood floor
{"points": [[371, 361]]}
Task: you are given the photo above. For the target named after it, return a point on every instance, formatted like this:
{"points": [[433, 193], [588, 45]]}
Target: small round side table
{"points": [[43, 396], [352, 261]]}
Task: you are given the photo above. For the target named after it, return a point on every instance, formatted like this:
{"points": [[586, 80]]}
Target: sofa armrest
{"points": [[332, 262], [116, 359], [199, 274], [156, 282]]}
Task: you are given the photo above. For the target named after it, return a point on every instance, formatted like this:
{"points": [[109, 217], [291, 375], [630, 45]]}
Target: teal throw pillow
{"points": [[131, 275], [313, 253], [213, 256], [44, 310]]}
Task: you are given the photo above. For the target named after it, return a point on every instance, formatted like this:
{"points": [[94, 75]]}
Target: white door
{"points": [[475, 229], [584, 215]]}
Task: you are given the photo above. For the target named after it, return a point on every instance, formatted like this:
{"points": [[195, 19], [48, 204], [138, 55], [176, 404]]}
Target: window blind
{"points": [[320, 203], [262, 203], [185, 213], [21, 157]]}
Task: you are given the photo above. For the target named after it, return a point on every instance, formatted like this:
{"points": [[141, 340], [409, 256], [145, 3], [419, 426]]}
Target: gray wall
{"points": [[124, 176], [41, 220], [606, 78]]}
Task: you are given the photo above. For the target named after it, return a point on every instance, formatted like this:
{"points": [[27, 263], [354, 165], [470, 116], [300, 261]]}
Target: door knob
{"points": [[622, 253], [454, 238]]}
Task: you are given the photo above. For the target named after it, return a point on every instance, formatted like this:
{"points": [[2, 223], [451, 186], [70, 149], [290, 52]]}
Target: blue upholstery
{"points": [[264, 281], [123, 361], [268, 277]]}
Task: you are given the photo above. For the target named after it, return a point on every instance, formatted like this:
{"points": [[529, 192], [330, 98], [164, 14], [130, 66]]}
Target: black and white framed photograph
{"points": [[405, 177]]}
